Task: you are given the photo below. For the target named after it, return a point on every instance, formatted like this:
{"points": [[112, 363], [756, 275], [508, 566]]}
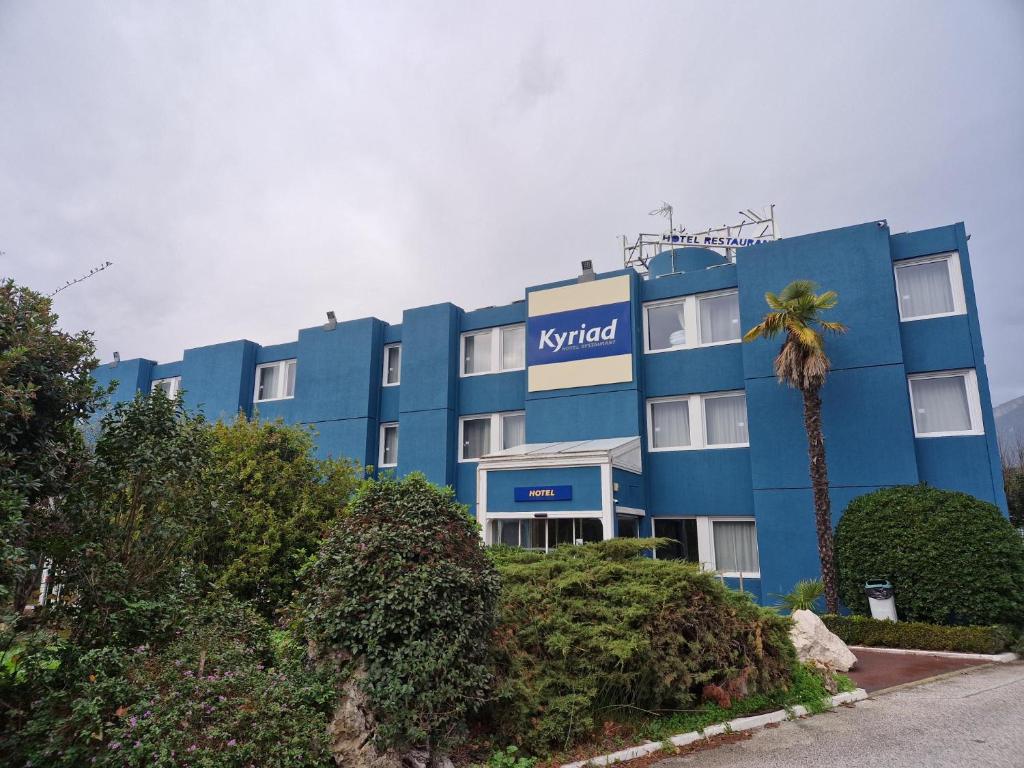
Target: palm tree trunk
{"points": [[822, 504]]}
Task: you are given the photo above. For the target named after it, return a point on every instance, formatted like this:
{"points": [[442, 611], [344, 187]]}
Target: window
{"points": [[494, 350], [168, 386], [392, 364], [275, 381], [725, 545], [692, 321], [545, 534], [945, 404], [735, 544], [671, 426], [388, 445], [725, 419], [720, 318], [684, 539], [489, 433], [513, 430], [930, 287], [629, 526], [666, 325]]}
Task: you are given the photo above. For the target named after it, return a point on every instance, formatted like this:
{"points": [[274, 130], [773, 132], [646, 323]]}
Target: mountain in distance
{"points": [[1010, 426]]}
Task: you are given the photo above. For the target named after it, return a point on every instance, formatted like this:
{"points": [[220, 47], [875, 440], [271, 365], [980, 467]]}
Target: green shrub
{"points": [[403, 587], [217, 696], [861, 630], [952, 558], [597, 632], [273, 503]]}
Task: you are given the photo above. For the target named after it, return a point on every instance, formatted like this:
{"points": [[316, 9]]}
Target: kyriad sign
{"points": [[580, 335]]}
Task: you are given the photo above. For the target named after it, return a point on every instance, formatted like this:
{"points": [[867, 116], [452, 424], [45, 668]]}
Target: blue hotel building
{"points": [[624, 404]]}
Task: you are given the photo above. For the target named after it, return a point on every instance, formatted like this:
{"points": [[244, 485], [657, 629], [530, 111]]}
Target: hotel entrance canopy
{"points": [[539, 495]]}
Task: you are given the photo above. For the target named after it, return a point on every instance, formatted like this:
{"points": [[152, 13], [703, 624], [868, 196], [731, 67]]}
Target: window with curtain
{"points": [[389, 445], [476, 437], [477, 351], [925, 288], [289, 379], [513, 347], [684, 539], [266, 388], [392, 364], [629, 526], [735, 544], [666, 326], [725, 420], [941, 404], [513, 430], [670, 423], [720, 318]]}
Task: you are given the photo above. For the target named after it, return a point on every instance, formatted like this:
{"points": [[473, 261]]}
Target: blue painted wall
{"points": [[867, 420], [585, 482]]}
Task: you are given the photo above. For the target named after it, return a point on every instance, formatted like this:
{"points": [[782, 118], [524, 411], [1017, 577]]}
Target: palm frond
{"points": [[832, 326]]}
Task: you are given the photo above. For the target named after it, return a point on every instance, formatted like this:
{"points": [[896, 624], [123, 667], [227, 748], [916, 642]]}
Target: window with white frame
{"points": [[723, 544], [946, 403], [931, 286], [275, 381], [392, 364], [168, 386], [388, 445], [688, 322], [493, 350], [686, 422], [490, 432]]}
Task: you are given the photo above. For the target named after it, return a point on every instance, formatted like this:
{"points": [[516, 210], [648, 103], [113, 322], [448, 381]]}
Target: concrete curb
{"points": [[733, 726], [998, 658]]}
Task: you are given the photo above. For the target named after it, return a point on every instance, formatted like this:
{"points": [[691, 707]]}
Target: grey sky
{"points": [[248, 166]]}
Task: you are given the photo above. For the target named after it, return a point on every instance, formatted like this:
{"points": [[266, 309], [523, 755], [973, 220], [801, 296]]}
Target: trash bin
{"points": [[880, 598]]}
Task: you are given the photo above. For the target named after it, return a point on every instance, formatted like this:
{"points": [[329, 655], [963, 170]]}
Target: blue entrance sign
{"points": [[544, 493], [579, 334]]}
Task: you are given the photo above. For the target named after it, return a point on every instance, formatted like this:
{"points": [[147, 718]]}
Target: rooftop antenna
{"points": [[93, 271], [666, 211]]}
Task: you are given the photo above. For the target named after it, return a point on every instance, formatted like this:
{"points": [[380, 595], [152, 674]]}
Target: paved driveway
{"points": [[972, 719]]}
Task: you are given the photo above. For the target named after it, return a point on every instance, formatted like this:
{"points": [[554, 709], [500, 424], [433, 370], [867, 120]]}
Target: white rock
{"points": [[814, 642]]}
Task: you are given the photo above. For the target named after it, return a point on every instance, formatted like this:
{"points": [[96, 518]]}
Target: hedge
{"points": [[861, 630], [952, 558], [596, 633]]}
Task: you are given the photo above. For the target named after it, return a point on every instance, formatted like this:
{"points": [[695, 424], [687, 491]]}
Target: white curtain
{"points": [[665, 326], [478, 353], [720, 318], [390, 445], [513, 430], [671, 423], [289, 379], [268, 383], [940, 404], [476, 437], [735, 546], [726, 419], [924, 288], [394, 366], [513, 348]]}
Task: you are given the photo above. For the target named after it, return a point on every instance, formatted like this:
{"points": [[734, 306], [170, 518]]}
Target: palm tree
{"points": [[803, 364]]}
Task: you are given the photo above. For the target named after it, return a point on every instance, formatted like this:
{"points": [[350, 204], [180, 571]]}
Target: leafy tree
{"points": [[273, 503], [45, 388], [132, 520], [404, 589], [803, 364], [952, 558]]}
